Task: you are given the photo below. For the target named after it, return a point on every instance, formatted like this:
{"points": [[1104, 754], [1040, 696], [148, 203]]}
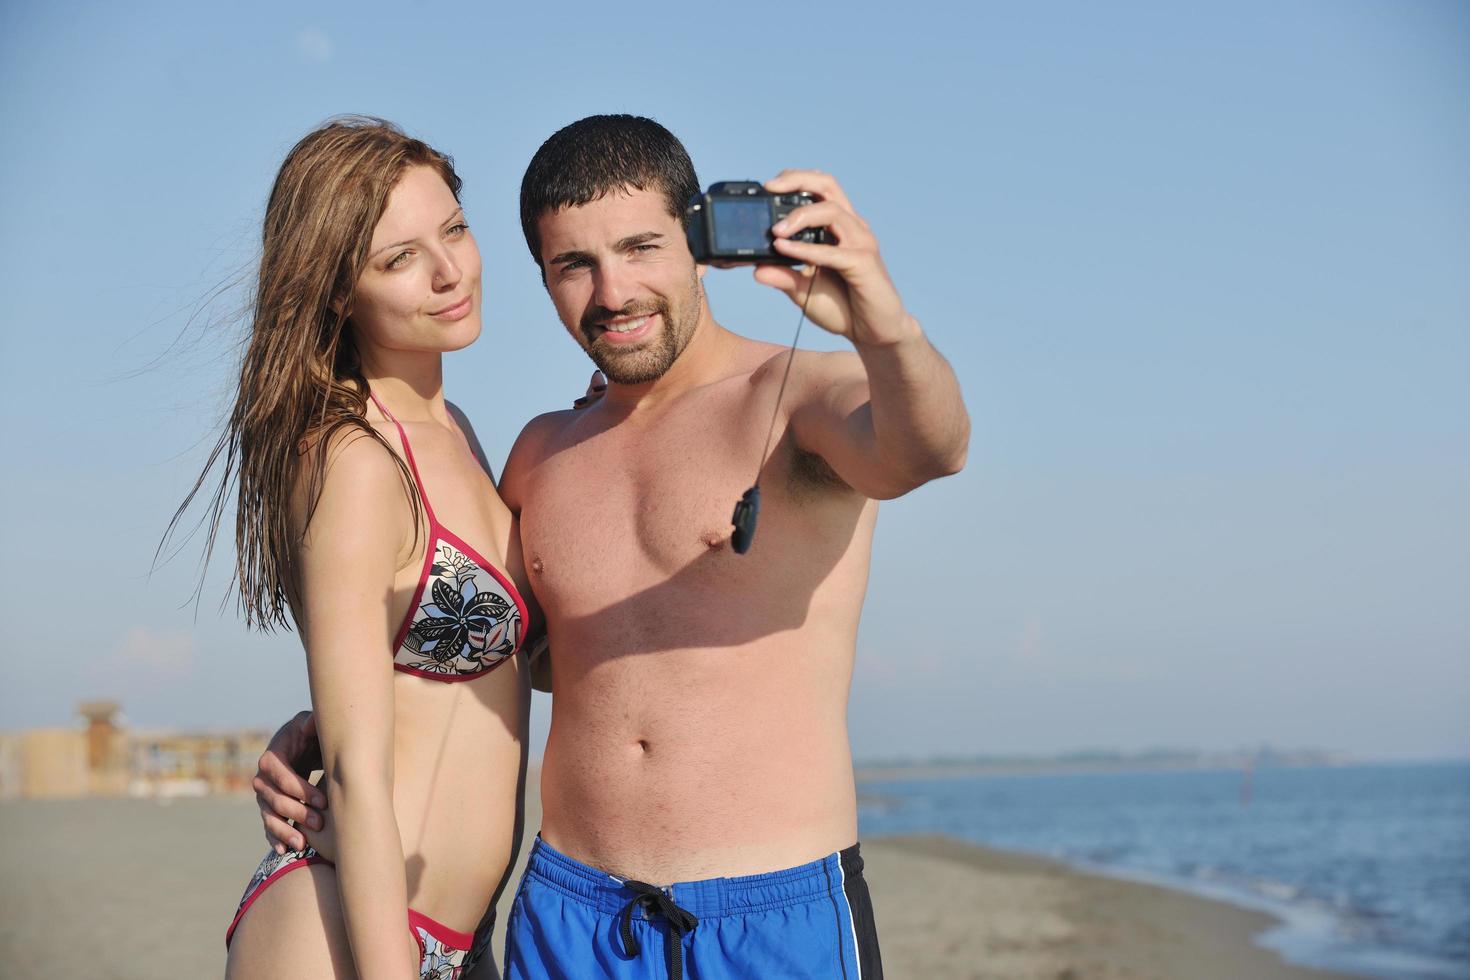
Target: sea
{"points": [[1367, 867]]}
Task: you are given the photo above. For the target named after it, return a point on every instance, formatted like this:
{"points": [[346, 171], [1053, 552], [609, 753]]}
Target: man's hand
{"points": [[281, 784], [855, 299]]}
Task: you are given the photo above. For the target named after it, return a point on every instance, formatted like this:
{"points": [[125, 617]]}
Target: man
{"points": [[698, 728]]}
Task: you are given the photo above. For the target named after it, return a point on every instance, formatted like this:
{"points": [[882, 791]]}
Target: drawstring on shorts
{"points": [[653, 899]]}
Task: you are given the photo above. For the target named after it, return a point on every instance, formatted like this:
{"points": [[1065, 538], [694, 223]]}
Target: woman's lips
{"points": [[458, 311]]}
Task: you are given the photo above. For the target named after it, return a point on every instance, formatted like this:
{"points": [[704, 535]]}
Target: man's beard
{"points": [[648, 361]]}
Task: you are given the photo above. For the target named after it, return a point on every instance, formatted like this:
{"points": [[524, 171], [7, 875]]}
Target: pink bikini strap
{"points": [[408, 452]]}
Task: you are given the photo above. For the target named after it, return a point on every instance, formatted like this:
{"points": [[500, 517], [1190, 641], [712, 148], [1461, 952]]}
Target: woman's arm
{"points": [[351, 551]]}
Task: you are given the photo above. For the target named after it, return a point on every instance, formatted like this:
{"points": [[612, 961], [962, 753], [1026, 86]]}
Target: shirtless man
{"points": [[698, 728]]}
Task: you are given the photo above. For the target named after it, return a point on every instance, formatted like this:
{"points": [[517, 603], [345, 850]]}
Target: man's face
{"points": [[623, 281]]}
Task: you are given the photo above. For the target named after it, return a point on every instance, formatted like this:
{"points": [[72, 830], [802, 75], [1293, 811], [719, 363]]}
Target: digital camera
{"points": [[731, 222]]}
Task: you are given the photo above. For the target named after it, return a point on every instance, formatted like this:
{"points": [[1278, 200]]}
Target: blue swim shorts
{"points": [[570, 921]]}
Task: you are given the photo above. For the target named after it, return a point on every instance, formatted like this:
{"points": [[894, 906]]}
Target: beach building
{"points": [[193, 763], [103, 758], [44, 763], [107, 748], [10, 766]]}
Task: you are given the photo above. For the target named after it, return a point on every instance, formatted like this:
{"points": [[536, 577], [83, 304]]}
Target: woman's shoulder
{"points": [[350, 473], [355, 451]]}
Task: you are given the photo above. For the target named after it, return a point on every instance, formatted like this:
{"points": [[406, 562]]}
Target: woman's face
{"points": [[420, 291]]}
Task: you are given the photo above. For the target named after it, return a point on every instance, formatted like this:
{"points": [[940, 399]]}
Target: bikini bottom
{"points": [[444, 953]]}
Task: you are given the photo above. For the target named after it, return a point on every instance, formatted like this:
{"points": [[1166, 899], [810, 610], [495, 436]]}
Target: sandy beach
{"points": [[121, 889]]}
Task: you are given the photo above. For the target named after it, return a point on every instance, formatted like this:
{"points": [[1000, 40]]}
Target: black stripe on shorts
{"points": [[861, 903]]}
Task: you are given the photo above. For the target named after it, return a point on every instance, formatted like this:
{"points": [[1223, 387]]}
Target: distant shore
{"points": [[148, 886], [1100, 762]]}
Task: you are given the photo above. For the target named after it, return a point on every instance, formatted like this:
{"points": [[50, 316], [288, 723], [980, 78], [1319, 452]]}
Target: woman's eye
{"points": [[458, 229], [398, 260]]}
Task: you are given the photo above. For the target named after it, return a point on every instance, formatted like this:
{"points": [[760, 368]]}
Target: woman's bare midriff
{"points": [[457, 758]]}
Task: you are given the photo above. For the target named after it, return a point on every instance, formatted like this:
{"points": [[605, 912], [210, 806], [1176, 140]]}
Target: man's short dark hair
{"points": [[599, 155]]}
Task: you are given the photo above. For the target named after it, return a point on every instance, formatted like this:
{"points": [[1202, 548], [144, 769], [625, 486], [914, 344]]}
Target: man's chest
{"points": [[606, 517]]}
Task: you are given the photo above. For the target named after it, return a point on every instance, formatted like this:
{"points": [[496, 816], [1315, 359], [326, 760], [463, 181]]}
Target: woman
{"points": [[366, 518]]}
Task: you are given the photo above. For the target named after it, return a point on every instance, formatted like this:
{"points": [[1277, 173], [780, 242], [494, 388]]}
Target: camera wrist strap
{"points": [[748, 509]]}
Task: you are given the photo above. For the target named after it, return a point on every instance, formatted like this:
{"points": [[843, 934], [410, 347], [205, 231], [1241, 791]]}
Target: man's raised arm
{"points": [[892, 417]]}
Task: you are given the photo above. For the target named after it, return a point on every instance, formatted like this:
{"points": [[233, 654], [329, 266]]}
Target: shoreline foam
{"points": [[1027, 916]]}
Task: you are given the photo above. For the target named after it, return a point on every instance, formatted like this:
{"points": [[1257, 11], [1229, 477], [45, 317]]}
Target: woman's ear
{"points": [[341, 302]]}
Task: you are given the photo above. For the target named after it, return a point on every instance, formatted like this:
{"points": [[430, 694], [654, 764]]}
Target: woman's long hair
{"points": [[301, 379]]}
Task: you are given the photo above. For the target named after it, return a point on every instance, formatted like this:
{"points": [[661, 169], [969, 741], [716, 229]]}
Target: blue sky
{"points": [[1202, 273]]}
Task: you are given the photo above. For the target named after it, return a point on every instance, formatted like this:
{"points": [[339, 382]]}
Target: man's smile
{"points": [[625, 329]]}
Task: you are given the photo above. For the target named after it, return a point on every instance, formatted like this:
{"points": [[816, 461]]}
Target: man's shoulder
{"points": [[537, 440], [544, 428]]}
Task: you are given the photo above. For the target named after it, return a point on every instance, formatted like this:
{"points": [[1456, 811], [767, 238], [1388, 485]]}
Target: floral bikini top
{"points": [[466, 618]]}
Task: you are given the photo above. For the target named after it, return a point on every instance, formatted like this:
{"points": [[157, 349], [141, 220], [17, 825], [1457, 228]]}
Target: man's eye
{"points": [[645, 248]]}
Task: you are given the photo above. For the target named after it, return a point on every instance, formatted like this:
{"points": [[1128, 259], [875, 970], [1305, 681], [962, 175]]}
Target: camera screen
{"points": [[742, 225]]}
